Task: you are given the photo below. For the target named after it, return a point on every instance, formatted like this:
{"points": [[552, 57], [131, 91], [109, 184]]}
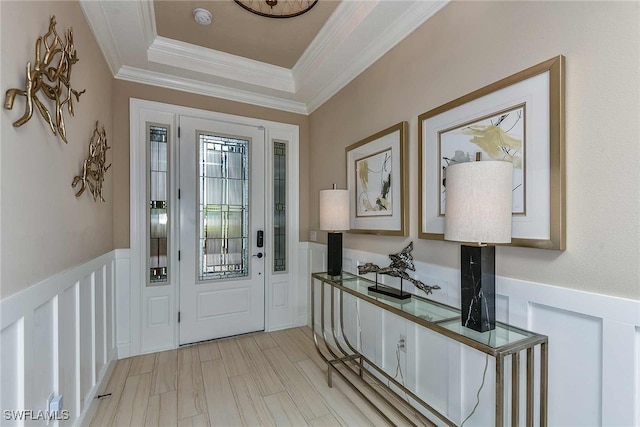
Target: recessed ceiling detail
{"points": [[347, 42], [277, 8]]}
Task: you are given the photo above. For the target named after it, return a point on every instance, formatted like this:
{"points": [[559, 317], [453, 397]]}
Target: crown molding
{"points": [[418, 13], [147, 20], [355, 36], [343, 22], [220, 64], [154, 78], [99, 23]]}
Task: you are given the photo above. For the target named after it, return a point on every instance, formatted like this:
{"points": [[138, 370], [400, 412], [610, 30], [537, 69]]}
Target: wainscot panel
{"points": [[57, 338], [594, 346]]}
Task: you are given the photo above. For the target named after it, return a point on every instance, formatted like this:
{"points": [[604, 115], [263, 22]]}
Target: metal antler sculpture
{"points": [[93, 168], [400, 262], [50, 74]]}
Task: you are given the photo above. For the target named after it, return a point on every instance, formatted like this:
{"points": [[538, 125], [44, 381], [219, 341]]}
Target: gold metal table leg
{"points": [[499, 391], [530, 368], [515, 389], [544, 375]]}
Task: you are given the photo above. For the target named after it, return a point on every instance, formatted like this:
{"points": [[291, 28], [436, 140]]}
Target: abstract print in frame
{"points": [[374, 196], [498, 136], [520, 119], [377, 181]]}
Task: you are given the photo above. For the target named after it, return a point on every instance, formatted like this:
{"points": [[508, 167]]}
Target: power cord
{"points": [[359, 326], [484, 375], [395, 376], [398, 366], [399, 369]]}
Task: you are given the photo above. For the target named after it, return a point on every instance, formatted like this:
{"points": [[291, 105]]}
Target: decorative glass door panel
{"points": [[279, 206], [224, 207], [157, 194], [222, 185]]}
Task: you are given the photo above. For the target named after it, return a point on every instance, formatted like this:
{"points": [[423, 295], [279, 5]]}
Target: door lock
{"points": [[258, 255]]}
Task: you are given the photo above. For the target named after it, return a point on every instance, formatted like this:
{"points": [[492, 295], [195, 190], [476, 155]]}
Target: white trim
{"points": [[417, 13], [62, 355], [168, 81], [137, 291], [122, 303], [356, 35], [147, 21], [341, 24], [286, 316], [99, 23], [221, 64]]}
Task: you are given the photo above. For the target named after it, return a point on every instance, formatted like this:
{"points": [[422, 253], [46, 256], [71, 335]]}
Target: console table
{"points": [[505, 341]]}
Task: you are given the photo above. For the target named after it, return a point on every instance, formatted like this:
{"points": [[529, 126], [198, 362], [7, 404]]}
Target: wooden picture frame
{"points": [[377, 180], [520, 119]]}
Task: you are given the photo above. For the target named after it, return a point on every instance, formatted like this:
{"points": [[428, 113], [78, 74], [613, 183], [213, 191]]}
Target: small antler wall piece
{"points": [[93, 168], [51, 77]]}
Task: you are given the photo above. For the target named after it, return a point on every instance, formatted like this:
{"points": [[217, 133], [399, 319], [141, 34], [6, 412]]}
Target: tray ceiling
{"points": [[293, 64]]}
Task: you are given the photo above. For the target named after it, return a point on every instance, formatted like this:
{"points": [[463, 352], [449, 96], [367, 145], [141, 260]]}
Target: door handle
{"points": [[258, 255]]}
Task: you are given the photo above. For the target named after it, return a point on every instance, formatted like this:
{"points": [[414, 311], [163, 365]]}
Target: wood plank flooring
{"points": [[262, 379]]}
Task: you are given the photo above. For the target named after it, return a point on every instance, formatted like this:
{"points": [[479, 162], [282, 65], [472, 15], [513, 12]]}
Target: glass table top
{"points": [[435, 314]]}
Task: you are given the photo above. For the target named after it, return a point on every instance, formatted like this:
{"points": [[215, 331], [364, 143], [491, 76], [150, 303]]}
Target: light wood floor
{"points": [[270, 379]]}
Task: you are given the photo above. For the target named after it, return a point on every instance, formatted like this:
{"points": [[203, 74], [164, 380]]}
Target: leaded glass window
{"points": [[279, 206], [223, 182], [158, 213]]}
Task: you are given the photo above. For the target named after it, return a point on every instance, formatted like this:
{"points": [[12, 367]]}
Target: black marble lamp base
{"points": [[334, 254], [478, 282]]}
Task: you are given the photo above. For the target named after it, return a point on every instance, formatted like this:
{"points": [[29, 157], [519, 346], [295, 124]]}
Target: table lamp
{"points": [[478, 211], [334, 217]]}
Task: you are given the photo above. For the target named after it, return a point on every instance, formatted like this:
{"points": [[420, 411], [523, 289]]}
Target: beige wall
{"points": [[468, 45], [45, 228], [122, 91]]}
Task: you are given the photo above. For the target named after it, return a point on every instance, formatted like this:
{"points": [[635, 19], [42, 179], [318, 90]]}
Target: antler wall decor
{"points": [[50, 74], [93, 168]]}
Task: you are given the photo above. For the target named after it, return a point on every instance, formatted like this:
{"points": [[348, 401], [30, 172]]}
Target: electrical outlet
{"points": [[402, 343], [313, 236]]}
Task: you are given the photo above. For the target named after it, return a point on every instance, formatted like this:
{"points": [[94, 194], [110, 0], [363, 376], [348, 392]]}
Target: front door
{"points": [[222, 187]]}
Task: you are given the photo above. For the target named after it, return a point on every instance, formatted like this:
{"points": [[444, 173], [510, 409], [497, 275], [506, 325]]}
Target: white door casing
{"points": [[153, 310], [214, 305]]}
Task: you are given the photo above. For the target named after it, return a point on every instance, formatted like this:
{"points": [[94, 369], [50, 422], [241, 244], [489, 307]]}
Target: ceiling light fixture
{"points": [[277, 8], [202, 16]]}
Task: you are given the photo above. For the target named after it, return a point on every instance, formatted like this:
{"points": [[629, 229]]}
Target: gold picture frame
{"points": [[377, 180], [535, 98]]}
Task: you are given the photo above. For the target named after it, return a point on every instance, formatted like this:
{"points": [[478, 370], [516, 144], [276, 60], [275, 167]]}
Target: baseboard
{"points": [[90, 410], [124, 350]]}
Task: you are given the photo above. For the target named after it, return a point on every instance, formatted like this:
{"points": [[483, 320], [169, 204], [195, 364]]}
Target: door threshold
{"points": [[221, 338]]}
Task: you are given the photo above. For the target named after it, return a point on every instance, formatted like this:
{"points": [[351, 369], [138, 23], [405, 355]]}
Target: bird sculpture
{"points": [[400, 262]]}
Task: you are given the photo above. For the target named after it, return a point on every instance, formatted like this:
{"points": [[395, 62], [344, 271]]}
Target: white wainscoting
{"points": [[59, 337], [594, 346]]}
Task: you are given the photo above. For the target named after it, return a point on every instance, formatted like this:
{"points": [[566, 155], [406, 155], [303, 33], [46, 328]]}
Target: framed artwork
{"points": [[519, 119], [377, 183]]}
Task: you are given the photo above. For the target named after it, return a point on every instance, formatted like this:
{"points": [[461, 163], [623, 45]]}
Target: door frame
{"points": [[153, 310]]}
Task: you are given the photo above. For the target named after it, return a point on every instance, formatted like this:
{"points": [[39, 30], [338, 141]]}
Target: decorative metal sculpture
{"points": [[93, 168], [55, 67], [400, 262]]}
